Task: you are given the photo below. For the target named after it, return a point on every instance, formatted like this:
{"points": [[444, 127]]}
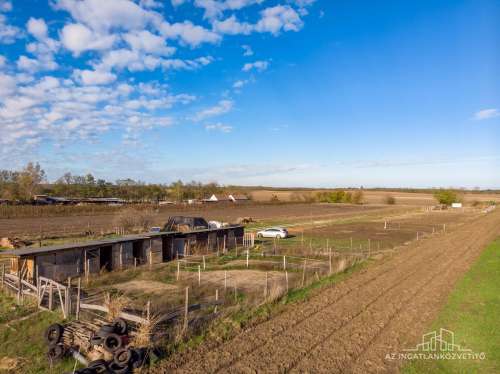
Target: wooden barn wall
{"points": [[71, 263], [154, 250], [122, 255], [93, 262]]}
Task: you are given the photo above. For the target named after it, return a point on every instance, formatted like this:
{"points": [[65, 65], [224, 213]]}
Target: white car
{"points": [[273, 232]]}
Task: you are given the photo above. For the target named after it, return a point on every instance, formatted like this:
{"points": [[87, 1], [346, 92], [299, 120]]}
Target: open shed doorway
{"points": [[105, 258], [138, 252]]}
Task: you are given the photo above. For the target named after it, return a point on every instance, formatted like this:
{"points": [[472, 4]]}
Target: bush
{"points": [[357, 198], [446, 197], [334, 197], [134, 219], [390, 200]]}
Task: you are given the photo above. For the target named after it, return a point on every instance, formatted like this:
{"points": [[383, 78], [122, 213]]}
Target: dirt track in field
{"points": [[350, 327]]}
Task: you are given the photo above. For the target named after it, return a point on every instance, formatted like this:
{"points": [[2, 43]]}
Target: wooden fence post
{"points": [[186, 309], [304, 273], [204, 263], [19, 285], [284, 262], [330, 261], [216, 299], [248, 254], [51, 296], [88, 271], [78, 293], [178, 270], [68, 298], [267, 285], [286, 280]]}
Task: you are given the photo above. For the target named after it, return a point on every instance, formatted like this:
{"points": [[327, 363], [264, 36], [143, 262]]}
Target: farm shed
{"points": [[70, 260]]}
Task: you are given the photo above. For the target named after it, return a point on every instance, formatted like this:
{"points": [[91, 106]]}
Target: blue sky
{"points": [[256, 92]]}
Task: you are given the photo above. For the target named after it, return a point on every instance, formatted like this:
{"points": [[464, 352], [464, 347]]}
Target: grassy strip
{"points": [[473, 314], [23, 348], [10, 310]]}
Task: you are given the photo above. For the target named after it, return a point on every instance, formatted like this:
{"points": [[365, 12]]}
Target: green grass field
{"points": [[473, 314], [22, 346]]}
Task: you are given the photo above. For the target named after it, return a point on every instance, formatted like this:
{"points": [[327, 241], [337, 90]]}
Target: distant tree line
{"points": [[336, 196], [31, 180]]}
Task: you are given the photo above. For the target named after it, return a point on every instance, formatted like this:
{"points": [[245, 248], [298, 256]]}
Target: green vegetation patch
{"points": [[9, 310], [473, 314], [23, 349]]}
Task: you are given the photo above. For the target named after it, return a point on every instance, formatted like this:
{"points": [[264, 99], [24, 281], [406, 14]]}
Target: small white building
{"points": [[217, 198], [456, 205], [238, 198]]}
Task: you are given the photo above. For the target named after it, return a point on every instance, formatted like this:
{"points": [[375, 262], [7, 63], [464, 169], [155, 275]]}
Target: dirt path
{"points": [[352, 326]]}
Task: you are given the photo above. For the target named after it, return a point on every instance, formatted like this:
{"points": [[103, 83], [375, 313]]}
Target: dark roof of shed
{"points": [[92, 243], [98, 243]]}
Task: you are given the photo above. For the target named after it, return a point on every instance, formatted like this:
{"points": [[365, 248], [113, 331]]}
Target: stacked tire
{"points": [[114, 339], [53, 337]]}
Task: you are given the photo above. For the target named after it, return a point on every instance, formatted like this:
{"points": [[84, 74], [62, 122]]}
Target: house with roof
{"points": [[238, 198], [217, 198]]}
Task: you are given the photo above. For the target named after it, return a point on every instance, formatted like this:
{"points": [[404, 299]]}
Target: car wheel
{"points": [[259, 236]]}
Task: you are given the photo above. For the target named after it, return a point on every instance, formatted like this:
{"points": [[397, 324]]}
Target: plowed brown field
{"points": [[350, 327]]}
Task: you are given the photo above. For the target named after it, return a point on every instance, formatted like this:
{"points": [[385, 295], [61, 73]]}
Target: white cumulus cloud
{"points": [[222, 107], [486, 114], [257, 65], [219, 127], [79, 38]]}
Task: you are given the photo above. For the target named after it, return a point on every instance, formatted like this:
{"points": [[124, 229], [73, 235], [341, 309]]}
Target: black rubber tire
{"points": [[112, 342], [54, 333], [138, 357], [56, 352], [96, 340], [98, 366], [120, 326], [122, 356], [118, 369], [260, 236], [105, 330]]}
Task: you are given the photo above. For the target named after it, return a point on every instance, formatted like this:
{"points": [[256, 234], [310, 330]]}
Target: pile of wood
{"points": [[78, 334]]}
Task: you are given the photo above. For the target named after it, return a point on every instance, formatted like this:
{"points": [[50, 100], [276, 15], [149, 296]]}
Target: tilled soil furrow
{"points": [[413, 320], [343, 351], [260, 339], [381, 299], [338, 328], [348, 342]]}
